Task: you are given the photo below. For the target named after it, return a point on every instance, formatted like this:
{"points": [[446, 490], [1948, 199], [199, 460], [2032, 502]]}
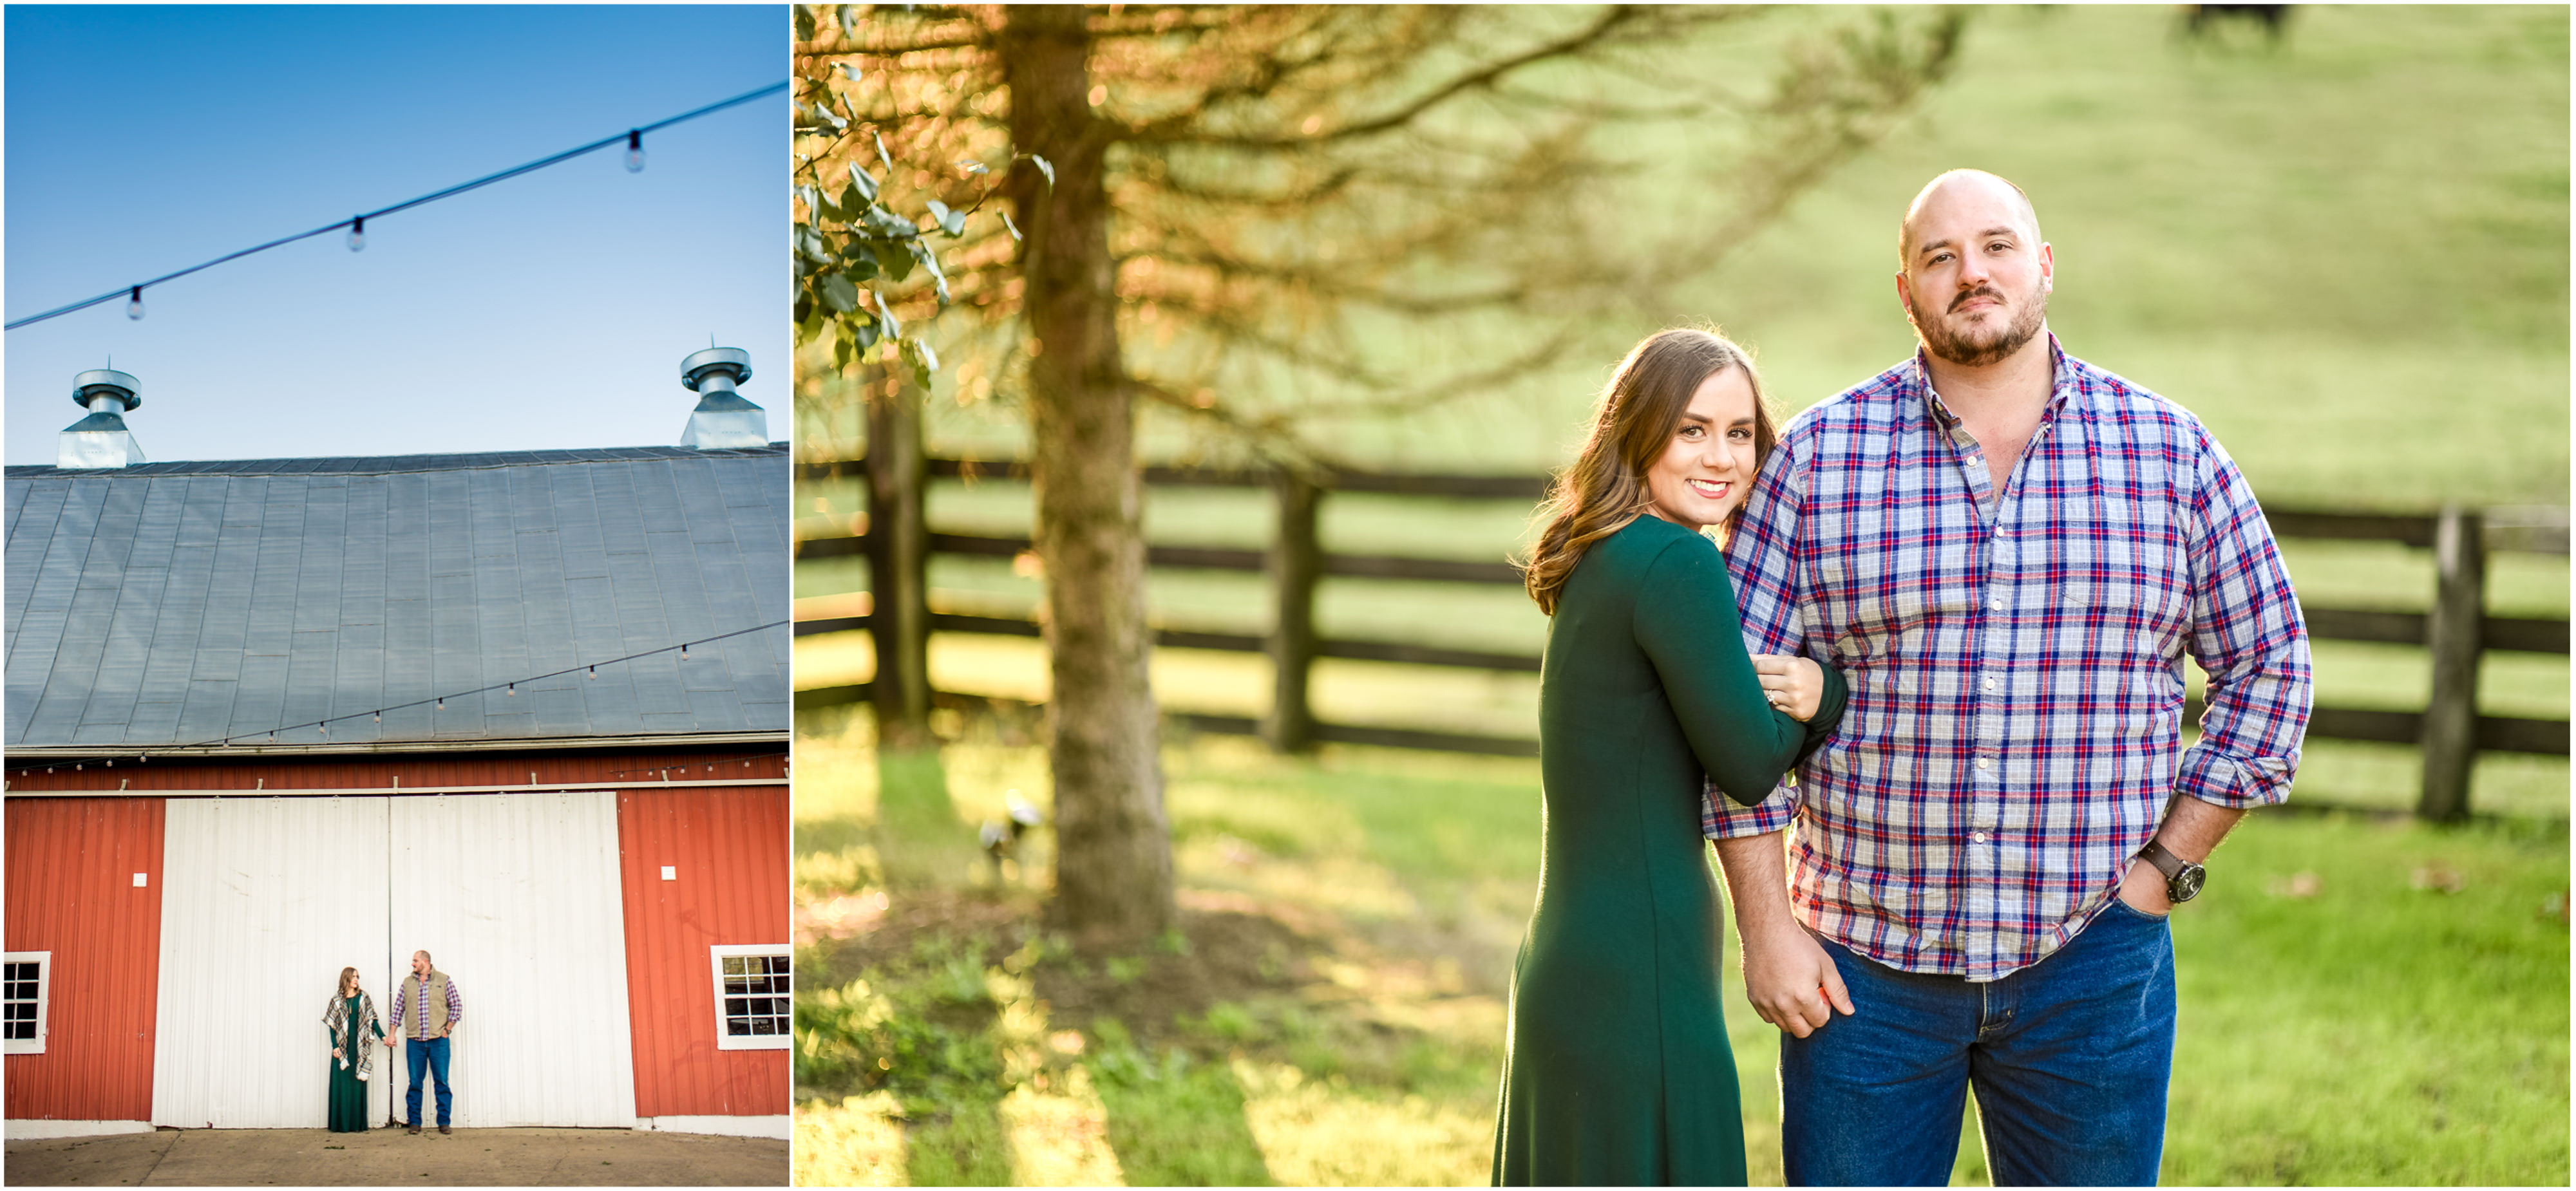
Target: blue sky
{"points": [[550, 310]]}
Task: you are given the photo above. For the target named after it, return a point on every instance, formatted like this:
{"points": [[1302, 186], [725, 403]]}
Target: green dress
{"points": [[348, 1092], [1617, 1069]]}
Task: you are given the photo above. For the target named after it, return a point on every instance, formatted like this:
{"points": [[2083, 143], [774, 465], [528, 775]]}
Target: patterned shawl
{"points": [[336, 1020]]}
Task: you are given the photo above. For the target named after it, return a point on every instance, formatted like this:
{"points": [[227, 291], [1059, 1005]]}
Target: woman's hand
{"points": [[1793, 684], [335, 1053]]}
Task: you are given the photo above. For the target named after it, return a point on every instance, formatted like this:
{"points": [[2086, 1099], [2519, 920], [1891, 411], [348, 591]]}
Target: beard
{"points": [[1976, 349]]}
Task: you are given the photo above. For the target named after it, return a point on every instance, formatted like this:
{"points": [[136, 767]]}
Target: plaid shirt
{"points": [[2015, 723]]}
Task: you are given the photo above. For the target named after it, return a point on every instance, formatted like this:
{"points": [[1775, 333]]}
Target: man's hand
{"points": [[1792, 982], [1787, 975], [2143, 887], [335, 1053], [1793, 684]]}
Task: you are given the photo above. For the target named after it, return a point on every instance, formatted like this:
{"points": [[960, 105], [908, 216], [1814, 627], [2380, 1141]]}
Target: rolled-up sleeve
{"points": [[2249, 638], [1762, 557]]}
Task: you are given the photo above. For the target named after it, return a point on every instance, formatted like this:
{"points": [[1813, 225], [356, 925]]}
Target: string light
{"points": [[634, 138], [358, 233], [514, 690]]}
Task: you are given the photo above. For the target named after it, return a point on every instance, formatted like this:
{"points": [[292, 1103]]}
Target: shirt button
{"points": [[1983, 763], [1998, 604], [1990, 684], [1979, 837]]}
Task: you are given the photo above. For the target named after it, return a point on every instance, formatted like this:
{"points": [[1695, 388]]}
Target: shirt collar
{"points": [[2062, 385]]}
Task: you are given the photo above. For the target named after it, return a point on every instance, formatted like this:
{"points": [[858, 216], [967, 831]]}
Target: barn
{"points": [[525, 710]]}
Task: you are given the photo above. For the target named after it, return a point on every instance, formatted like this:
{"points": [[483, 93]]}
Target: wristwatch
{"points": [[2182, 877]]}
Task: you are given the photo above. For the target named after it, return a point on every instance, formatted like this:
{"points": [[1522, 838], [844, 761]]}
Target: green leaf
{"points": [[923, 361], [888, 326], [1011, 227], [860, 265], [972, 166], [1044, 168], [804, 306], [938, 211], [842, 352], [953, 223], [861, 182], [864, 331], [837, 293], [896, 260], [882, 155], [930, 260], [804, 23], [849, 27]]}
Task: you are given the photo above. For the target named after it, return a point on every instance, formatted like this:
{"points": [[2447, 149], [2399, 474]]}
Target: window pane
{"points": [[737, 1027], [733, 965], [18, 1030], [764, 1025], [22, 1009]]}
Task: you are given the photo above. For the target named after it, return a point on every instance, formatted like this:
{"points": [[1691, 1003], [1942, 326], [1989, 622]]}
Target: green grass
{"points": [[2339, 1024]]}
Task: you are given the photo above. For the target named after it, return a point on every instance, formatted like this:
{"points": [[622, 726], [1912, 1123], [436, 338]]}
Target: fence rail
{"points": [[2457, 630]]}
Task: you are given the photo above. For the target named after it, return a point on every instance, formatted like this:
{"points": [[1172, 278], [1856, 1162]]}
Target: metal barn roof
{"points": [[169, 604]]}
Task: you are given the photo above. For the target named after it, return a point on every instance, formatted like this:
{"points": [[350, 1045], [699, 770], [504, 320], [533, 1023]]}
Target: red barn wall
{"points": [[70, 884], [731, 849]]}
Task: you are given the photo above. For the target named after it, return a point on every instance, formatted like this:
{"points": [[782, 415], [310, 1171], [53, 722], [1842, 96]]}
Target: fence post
{"points": [[898, 561], [1295, 563], [2450, 741]]}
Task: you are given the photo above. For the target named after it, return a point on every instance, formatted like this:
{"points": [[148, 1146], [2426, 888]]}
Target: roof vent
{"points": [[723, 420], [101, 439]]}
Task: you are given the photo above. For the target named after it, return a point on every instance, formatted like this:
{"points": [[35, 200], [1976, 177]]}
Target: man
{"points": [[426, 1011], [2008, 552]]}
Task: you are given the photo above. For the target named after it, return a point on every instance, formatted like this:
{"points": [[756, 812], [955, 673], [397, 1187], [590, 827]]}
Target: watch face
{"points": [[2185, 885]]}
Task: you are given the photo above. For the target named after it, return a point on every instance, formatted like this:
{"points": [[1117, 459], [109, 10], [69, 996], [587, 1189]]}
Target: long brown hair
{"points": [[347, 975], [1635, 419]]}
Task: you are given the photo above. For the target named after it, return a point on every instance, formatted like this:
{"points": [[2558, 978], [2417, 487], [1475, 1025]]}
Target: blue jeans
{"points": [[429, 1055], [2069, 1058]]}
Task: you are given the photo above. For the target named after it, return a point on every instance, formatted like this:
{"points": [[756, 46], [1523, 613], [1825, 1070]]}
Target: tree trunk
{"points": [[1113, 849]]}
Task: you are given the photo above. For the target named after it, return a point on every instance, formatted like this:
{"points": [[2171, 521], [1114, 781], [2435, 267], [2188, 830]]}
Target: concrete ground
{"points": [[391, 1157]]}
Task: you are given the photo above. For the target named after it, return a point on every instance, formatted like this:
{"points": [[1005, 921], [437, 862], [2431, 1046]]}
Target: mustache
{"points": [[1983, 291]]}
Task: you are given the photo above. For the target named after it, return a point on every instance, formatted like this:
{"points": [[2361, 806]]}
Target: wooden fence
{"points": [[2456, 631]]}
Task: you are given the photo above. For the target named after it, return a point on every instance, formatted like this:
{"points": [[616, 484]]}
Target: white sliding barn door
{"points": [[263, 901], [517, 898]]}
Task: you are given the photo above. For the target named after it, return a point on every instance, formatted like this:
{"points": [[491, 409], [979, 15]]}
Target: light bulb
{"points": [[514, 690], [594, 674], [358, 233], [635, 151], [134, 304]]}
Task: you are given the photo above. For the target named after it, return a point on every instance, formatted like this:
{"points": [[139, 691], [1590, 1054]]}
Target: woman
{"points": [[1617, 1068], [349, 1021]]}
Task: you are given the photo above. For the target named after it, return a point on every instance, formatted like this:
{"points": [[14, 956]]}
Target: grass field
{"points": [[2361, 1002]]}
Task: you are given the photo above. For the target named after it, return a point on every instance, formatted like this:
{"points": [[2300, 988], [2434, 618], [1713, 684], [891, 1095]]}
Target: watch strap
{"points": [[2166, 862]]}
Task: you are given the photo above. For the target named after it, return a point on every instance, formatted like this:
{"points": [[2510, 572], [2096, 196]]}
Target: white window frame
{"points": [[716, 955], [44, 961]]}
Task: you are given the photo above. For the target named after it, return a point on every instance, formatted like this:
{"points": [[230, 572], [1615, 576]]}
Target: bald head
{"points": [[1974, 186]]}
